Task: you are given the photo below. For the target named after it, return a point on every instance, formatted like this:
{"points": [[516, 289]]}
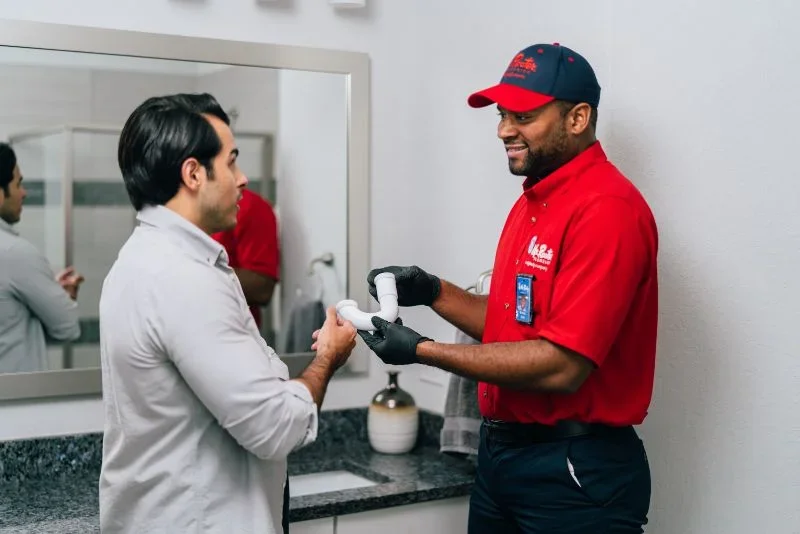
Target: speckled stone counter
{"points": [[51, 485]]}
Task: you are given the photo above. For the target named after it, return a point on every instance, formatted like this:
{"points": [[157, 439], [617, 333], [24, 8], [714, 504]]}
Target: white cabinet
{"points": [[314, 526], [448, 516]]}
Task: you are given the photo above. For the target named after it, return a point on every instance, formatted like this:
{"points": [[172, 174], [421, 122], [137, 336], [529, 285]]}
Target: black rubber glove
{"points": [[415, 287], [393, 343]]}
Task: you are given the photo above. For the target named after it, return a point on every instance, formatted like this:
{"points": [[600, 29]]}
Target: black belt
{"points": [[534, 432]]}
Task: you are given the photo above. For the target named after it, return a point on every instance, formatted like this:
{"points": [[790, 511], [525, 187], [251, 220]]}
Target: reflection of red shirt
{"points": [[253, 244], [587, 238]]}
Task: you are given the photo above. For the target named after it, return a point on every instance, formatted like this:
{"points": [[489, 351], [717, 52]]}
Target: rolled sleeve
{"points": [[306, 402], [205, 328]]}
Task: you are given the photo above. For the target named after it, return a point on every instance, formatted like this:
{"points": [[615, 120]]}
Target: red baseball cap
{"points": [[538, 75]]}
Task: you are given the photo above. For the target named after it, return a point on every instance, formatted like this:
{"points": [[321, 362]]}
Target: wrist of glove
{"points": [[415, 287], [393, 343]]}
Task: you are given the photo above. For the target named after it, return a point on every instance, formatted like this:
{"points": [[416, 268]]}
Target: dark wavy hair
{"points": [[160, 134], [8, 160]]}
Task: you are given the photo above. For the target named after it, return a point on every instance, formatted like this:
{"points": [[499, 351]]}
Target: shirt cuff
{"points": [[301, 392]]}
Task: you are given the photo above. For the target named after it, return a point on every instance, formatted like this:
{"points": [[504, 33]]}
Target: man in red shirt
{"points": [[568, 330], [253, 250]]}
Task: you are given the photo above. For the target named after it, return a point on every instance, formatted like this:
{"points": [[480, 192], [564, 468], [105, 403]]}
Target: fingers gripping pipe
{"points": [[387, 298]]}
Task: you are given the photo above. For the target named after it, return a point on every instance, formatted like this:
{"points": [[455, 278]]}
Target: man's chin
{"points": [[220, 227], [231, 223], [10, 219], [517, 170], [226, 228]]}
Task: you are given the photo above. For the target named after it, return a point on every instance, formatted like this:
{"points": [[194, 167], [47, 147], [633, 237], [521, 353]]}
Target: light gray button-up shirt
{"points": [[199, 412], [32, 304]]}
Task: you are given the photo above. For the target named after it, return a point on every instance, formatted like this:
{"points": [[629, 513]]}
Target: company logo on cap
{"points": [[521, 66]]}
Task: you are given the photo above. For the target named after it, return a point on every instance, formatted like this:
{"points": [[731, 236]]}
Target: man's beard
{"points": [[9, 217], [545, 158]]}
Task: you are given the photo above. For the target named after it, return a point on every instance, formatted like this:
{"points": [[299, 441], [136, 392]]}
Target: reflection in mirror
{"points": [[61, 114]]}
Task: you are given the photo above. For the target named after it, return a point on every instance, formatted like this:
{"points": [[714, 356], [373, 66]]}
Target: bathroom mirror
{"points": [[300, 117]]}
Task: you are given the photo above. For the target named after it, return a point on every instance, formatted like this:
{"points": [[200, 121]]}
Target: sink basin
{"points": [[312, 483]]}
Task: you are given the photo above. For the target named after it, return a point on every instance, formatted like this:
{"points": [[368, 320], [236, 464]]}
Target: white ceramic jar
{"points": [[392, 419]]}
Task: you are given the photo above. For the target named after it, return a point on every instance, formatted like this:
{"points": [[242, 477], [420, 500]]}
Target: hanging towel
{"points": [[462, 418], [305, 317]]}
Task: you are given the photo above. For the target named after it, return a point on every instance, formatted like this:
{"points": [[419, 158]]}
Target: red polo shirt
{"points": [[253, 243], [588, 238]]}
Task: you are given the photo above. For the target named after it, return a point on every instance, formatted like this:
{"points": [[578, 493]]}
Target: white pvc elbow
{"points": [[387, 298]]}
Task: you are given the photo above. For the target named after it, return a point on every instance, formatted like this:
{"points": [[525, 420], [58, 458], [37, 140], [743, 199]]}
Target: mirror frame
{"points": [[355, 65]]}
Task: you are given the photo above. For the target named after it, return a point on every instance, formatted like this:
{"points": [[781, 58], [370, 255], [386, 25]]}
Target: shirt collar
{"points": [[8, 228], [185, 234], [558, 180]]}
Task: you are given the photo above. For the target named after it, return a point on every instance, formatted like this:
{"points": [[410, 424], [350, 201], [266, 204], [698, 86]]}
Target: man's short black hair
{"points": [[8, 161], [160, 134]]}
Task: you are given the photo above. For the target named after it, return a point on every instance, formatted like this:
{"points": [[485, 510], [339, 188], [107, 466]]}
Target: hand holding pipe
{"points": [[387, 298]]}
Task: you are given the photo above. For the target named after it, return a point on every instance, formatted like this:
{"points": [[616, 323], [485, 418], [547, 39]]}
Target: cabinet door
{"points": [[447, 516], [314, 526]]}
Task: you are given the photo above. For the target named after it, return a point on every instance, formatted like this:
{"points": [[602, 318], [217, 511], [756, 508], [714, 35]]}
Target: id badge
{"points": [[524, 299]]}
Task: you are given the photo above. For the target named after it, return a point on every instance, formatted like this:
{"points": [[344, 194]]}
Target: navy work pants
{"points": [[592, 484], [286, 498]]}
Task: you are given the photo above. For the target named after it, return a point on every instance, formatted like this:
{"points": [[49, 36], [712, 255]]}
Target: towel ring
{"points": [[477, 287], [326, 258]]}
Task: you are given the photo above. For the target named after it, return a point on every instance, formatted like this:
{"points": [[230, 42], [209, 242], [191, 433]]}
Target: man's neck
{"points": [[186, 210], [7, 226]]}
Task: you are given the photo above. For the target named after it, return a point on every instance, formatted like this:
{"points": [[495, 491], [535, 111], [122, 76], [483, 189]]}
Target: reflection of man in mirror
{"points": [[200, 412], [253, 250], [34, 303]]}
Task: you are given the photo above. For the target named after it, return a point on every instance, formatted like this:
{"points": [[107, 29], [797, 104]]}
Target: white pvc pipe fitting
{"points": [[387, 298]]}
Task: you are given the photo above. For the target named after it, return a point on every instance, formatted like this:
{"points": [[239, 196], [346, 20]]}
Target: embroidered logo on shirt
{"points": [[541, 255]]}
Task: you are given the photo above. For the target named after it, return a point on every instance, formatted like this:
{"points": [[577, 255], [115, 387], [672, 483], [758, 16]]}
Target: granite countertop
{"points": [[425, 474], [67, 501]]}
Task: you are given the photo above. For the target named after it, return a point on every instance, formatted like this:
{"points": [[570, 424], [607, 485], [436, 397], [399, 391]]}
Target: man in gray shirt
{"points": [[200, 413], [34, 303]]}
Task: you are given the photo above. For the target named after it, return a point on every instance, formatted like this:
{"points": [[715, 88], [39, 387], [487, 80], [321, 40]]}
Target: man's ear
{"points": [[190, 173], [579, 118]]}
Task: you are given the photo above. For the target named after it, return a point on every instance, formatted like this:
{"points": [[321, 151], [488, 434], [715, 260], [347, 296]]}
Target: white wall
{"points": [[252, 92], [311, 169], [698, 106]]}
